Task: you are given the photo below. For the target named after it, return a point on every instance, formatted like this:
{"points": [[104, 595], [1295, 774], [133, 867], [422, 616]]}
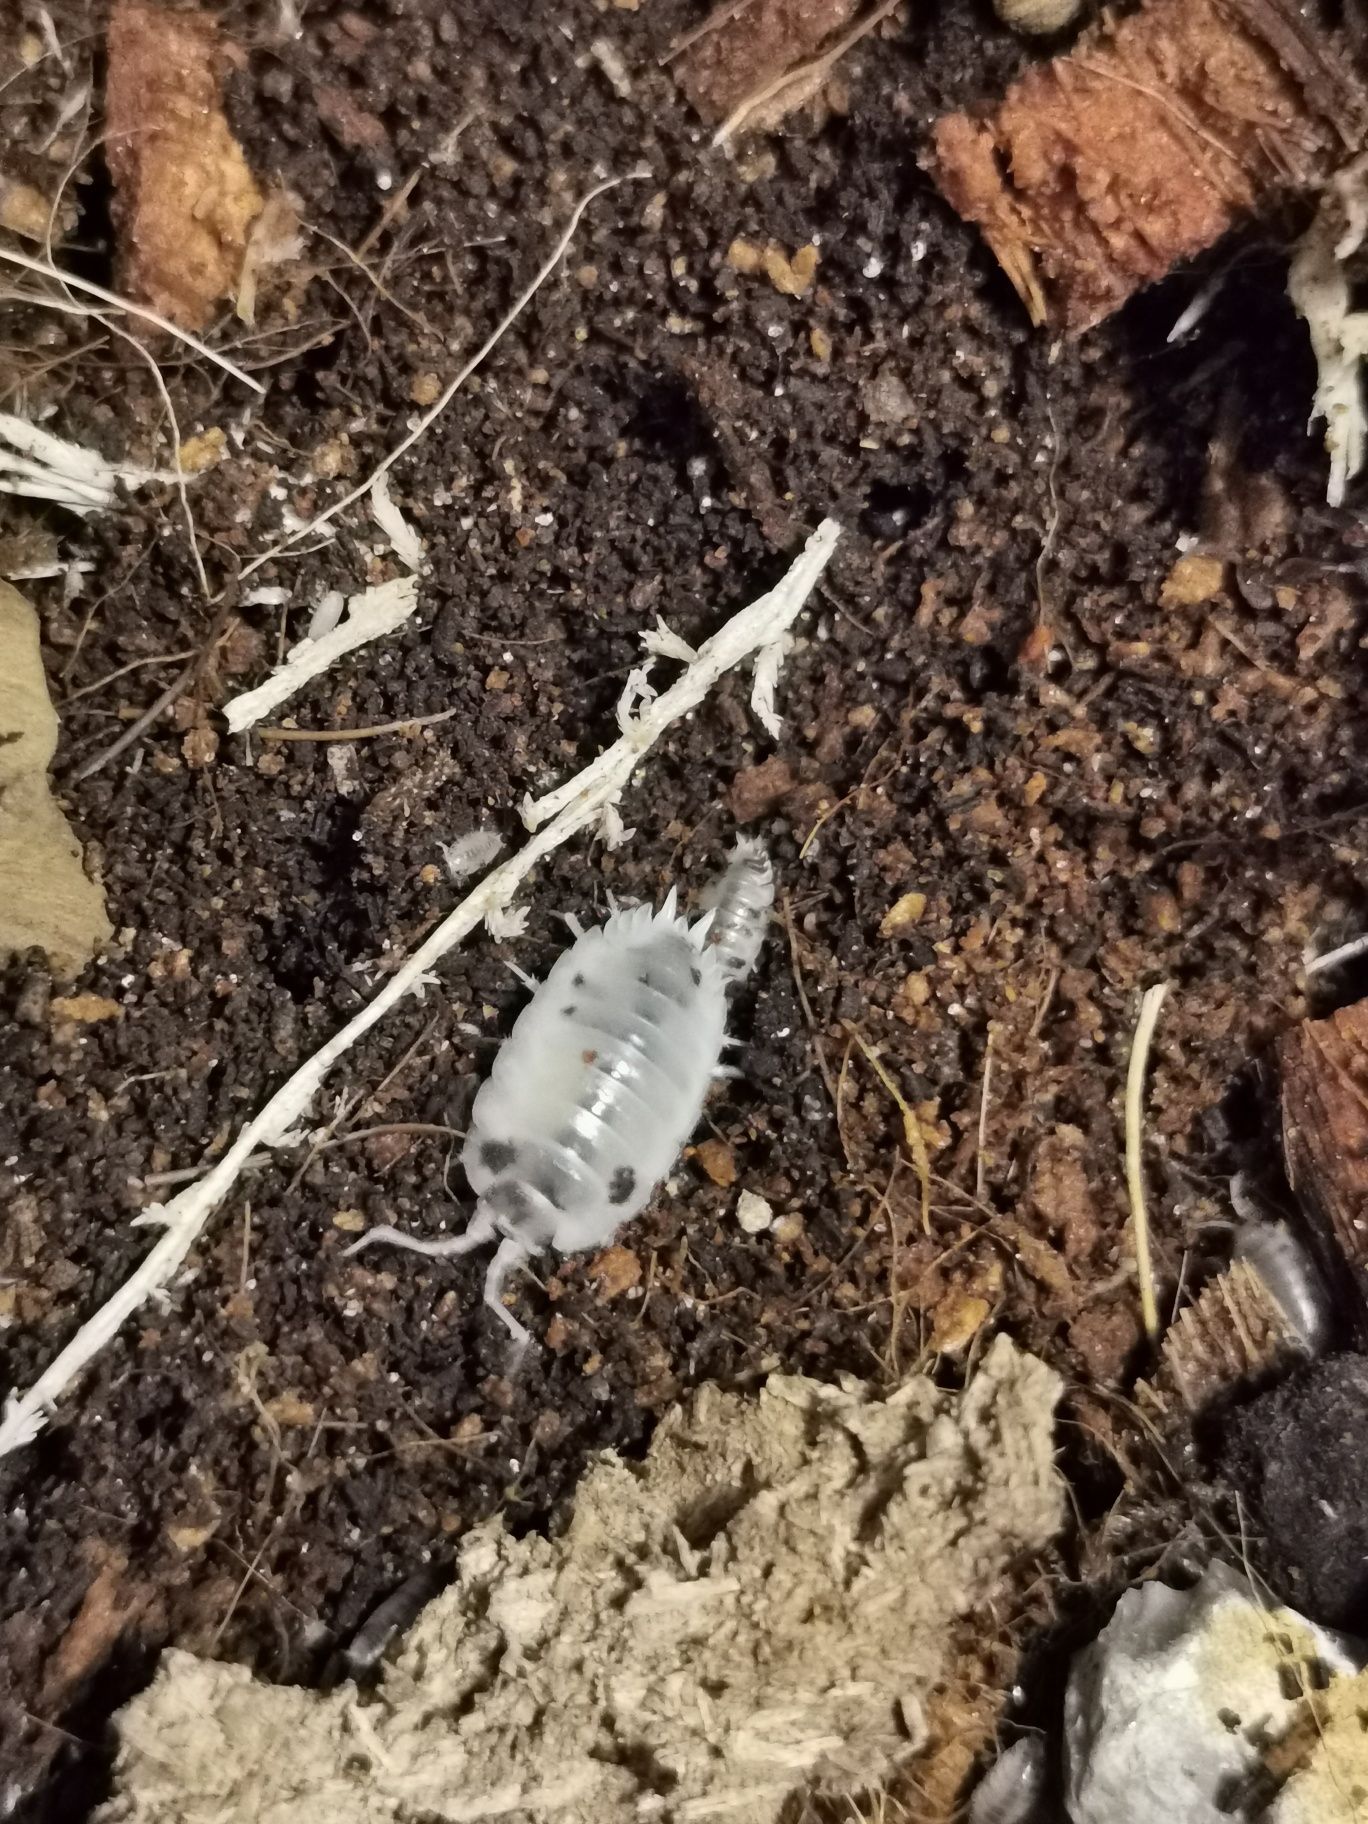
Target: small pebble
{"points": [[753, 1213]]}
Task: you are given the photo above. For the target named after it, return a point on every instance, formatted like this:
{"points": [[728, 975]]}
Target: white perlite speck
{"points": [[753, 1213]]}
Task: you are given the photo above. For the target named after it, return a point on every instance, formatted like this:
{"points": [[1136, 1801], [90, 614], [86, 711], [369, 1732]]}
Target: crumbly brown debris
{"points": [[1325, 1130], [747, 46], [184, 198]]}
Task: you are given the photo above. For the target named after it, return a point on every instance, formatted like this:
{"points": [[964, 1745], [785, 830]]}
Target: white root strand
{"points": [[560, 815], [370, 615], [765, 623]]}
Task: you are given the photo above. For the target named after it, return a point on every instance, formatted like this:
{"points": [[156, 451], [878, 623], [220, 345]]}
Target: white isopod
{"points": [[592, 1096], [1285, 1266], [1010, 1791], [741, 900]]}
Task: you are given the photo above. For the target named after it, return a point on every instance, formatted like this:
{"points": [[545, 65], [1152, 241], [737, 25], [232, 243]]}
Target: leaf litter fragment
{"points": [[46, 901]]}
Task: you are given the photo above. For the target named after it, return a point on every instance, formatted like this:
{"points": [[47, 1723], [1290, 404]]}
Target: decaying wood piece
{"points": [[184, 198], [757, 1614], [746, 45], [1325, 1132], [1235, 1331], [1098, 173]]}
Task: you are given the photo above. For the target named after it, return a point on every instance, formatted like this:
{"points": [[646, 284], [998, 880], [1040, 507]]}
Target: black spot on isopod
{"points": [[577, 980], [568, 1012], [621, 1184], [498, 1155], [697, 975]]}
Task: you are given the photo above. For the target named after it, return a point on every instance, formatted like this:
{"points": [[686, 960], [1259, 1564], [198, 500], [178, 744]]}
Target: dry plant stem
{"points": [[434, 412], [580, 804], [1152, 1001], [181, 488], [912, 1132], [353, 734], [1343, 953], [47, 270], [816, 68], [177, 687]]}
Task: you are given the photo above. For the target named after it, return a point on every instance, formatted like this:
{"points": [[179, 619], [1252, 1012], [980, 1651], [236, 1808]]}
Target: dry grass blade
{"points": [[912, 1133], [1150, 1005]]}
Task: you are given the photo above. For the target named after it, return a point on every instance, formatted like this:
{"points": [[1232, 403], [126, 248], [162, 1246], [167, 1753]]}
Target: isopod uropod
{"points": [[593, 1094], [741, 900]]}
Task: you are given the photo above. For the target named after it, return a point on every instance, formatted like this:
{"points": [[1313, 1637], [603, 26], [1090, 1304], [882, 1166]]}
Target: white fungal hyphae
{"points": [[741, 901], [589, 1102], [1286, 1268]]}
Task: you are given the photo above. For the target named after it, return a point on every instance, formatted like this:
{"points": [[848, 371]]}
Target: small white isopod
{"points": [[740, 900], [1285, 1266], [593, 1094], [1010, 1791]]}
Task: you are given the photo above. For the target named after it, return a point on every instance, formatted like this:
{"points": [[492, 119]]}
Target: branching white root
{"points": [[555, 818], [35, 463], [1150, 1004], [370, 614]]}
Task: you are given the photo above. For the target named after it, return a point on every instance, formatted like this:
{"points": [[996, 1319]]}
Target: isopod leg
{"points": [[480, 1230], [511, 1254]]}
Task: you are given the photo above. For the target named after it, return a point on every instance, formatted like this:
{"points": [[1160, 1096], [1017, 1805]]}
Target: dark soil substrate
{"points": [[1180, 796]]}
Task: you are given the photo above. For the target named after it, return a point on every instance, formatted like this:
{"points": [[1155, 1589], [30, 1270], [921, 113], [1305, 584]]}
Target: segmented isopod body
{"points": [[592, 1095], [1285, 1266], [741, 900], [1009, 1793]]}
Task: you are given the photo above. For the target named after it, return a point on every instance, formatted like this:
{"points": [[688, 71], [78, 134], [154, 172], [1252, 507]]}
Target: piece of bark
{"points": [[1325, 1134], [184, 198], [1234, 1332], [45, 900], [1098, 173], [745, 45]]}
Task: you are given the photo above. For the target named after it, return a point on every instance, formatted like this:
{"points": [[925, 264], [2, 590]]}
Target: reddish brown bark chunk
{"points": [[1099, 172]]}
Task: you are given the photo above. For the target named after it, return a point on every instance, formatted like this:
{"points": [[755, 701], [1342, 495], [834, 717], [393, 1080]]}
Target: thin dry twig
{"points": [[1342, 953], [1150, 1004], [912, 1132], [434, 412], [122, 671], [557, 816], [46, 269], [176, 688], [355, 734]]}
